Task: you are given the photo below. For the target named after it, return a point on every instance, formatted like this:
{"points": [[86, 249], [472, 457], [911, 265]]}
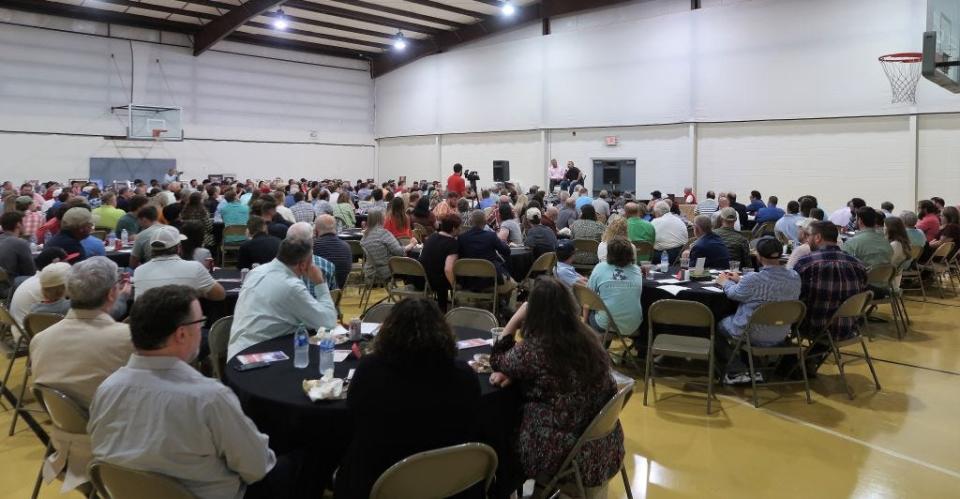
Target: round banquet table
{"points": [[717, 302], [351, 234], [273, 398], [230, 280]]}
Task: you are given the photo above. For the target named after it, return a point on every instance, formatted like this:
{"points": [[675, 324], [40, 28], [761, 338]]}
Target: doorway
{"points": [[614, 175]]}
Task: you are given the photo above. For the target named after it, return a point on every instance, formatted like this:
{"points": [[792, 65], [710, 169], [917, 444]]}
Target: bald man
{"points": [[327, 245]]}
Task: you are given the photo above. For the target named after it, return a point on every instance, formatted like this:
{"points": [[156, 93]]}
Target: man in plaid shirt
{"points": [[828, 277], [302, 210], [32, 219]]}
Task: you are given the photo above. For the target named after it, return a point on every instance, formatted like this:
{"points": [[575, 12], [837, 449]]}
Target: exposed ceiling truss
{"points": [[358, 29]]}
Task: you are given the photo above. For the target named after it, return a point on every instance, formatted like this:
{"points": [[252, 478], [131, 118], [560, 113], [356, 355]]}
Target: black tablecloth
{"points": [[351, 234], [213, 310], [273, 398], [718, 303]]}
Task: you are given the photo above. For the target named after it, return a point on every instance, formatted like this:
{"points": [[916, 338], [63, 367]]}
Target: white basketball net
{"points": [[903, 71]]}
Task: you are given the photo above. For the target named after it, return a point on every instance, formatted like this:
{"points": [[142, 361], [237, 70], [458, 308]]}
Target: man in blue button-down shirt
{"points": [[772, 283]]}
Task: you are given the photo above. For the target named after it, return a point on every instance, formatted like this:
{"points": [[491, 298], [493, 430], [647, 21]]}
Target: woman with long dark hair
{"points": [[424, 216], [192, 248], [397, 222], [564, 377], [410, 395], [194, 211]]}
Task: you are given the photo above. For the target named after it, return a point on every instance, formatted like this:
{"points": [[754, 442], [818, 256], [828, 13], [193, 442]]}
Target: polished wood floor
{"points": [[903, 441]]}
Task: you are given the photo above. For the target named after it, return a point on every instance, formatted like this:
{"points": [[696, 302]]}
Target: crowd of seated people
{"points": [[292, 246]]}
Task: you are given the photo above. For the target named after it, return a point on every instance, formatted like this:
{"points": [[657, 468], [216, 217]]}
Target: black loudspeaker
{"points": [[501, 171]]}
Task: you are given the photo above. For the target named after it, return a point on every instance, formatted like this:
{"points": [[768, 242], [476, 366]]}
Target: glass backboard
{"points": [[941, 44]]}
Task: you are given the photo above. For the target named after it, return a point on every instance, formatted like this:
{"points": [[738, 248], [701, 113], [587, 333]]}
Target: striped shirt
{"points": [[303, 212], [329, 275], [770, 284]]}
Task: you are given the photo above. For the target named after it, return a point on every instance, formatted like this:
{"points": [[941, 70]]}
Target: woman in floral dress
{"points": [[564, 376]]}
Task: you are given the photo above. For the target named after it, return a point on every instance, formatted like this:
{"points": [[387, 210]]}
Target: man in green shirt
{"points": [[736, 243], [106, 215], [129, 220], [869, 246], [638, 229]]}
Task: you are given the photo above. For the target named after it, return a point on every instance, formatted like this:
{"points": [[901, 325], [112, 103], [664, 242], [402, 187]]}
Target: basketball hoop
{"points": [[157, 132], [903, 71]]}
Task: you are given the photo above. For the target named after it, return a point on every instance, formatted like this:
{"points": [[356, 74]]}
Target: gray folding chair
{"points": [[881, 277], [378, 313], [912, 273], [218, 339], [543, 265], [117, 482], [33, 324], [438, 473], [589, 299], [939, 264], [853, 308], [780, 314], [585, 247], [230, 251], [66, 414], [475, 318], [401, 269], [19, 350], [682, 314], [475, 268], [603, 424]]}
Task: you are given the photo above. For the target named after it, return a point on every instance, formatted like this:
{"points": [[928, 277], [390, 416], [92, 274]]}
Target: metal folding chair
{"points": [[218, 339], [881, 277], [939, 264], [401, 269], [67, 416], [438, 473], [585, 247], [603, 424], [475, 318], [589, 299], [378, 313], [853, 308], [33, 325], [229, 251], [683, 314], [478, 269], [785, 313], [117, 482]]}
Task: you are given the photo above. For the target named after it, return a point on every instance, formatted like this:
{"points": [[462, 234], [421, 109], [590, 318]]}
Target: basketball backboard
{"points": [[941, 44], [152, 122]]}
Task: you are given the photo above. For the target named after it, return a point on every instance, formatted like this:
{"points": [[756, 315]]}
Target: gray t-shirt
{"points": [[516, 235], [141, 245], [15, 256], [171, 269]]}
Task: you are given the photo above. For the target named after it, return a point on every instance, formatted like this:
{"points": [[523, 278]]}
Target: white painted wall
{"points": [[939, 157], [252, 111], [477, 151], [418, 158]]}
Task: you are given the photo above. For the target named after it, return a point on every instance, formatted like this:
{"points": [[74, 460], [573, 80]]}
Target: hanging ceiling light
{"points": [[508, 9], [399, 42], [280, 20]]}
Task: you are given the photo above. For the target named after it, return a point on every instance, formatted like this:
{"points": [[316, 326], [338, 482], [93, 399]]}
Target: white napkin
{"points": [[324, 388], [712, 288], [673, 289]]}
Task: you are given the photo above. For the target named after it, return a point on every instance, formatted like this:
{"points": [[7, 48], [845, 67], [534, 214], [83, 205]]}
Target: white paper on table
{"points": [[668, 281], [700, 263], [371, 328], [715, 271], [673, 289], [340, 355], [339, 330], [712, 288]]}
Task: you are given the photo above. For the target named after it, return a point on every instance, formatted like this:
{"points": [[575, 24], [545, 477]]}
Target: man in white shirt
{"points": [[166, 267], [160, 415], [671, 232], [274, 301]]}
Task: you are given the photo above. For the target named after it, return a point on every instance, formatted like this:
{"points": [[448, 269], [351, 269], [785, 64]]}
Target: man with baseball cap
{"points": [[565, 270], [772, 283], [166, 267], [538, 237], [737, 244]]}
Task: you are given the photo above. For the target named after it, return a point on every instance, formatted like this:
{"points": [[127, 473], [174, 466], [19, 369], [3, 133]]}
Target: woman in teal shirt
{"points": [[619, 283]]}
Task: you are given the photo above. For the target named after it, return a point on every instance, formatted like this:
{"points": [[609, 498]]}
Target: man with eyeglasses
{"points": [[76, 354], [158, 414]]}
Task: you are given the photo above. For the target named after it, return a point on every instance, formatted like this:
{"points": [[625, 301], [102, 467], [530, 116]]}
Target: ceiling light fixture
{"points": [[399, 42], [508, 9], [280, 20]]}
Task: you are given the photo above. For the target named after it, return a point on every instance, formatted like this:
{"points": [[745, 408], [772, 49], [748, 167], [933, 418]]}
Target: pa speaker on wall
{"points": [[501, 171]]}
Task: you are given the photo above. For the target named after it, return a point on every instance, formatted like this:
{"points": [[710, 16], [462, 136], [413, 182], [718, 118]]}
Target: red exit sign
{"points": [[612, 140]]}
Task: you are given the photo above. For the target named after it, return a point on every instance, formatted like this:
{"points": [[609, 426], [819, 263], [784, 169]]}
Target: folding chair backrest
{"points": [[586, 246], [404, 266], [36, 322], [880, 274], [474, 267], [235, 230], [335, 295], [644, 250], [680, 313], [781, 313], [475, 318], [356, 249], [915, 252], [438, 473], [66, 413], [941, 252], [378, 312], [116, 482], [218, 338], [99, 234], [543, 264], [853, 306], [587, 297], [7, 320]]}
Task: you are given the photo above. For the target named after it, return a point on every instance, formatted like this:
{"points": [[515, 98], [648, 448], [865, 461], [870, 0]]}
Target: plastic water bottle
{"points": [[301, 348], [326, 356], [33, 243], [664, 261], [111, 237], [125, 236]]}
